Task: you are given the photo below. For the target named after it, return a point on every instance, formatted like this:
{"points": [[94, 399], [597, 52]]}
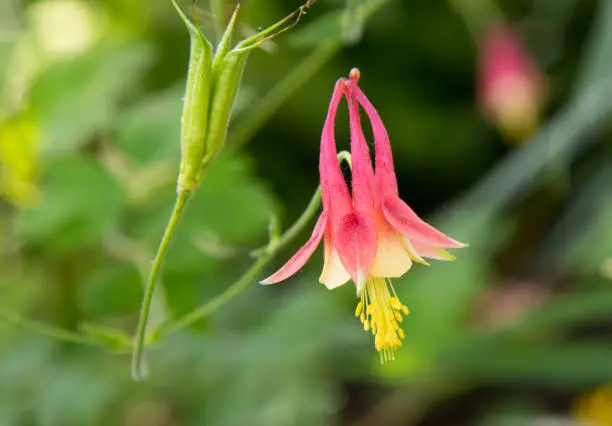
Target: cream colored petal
{"points": [[392, 259], [334, 274]]}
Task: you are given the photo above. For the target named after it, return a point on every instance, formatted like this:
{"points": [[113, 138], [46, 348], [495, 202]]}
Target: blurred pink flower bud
{"points": [[511, 87]]}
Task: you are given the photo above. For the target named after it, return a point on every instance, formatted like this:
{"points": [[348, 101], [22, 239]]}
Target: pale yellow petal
{"points": [[334, 274], [392, 259]]}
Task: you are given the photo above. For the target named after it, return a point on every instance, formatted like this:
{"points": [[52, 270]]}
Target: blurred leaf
{"points": [[276, 372], [214, 216], [569, 310], [75, 99], [81, 395], [80, 201], [9, 34], [596, 65], [20, 168], [54, 388], [582, 237], [150, 130], [569, 365], [227, 192], [114, 290]]}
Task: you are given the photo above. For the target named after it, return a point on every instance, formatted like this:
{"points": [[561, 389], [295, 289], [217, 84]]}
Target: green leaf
{"points": [[596, 65], [567, 365], [227, 192], [74, 100], [214, 224], [582, 237], [150, 130], [80, 202], [114, 290]]}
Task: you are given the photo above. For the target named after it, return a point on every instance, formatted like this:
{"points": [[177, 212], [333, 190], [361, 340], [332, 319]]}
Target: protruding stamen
{"points": [[395, 303], [359, 309], [380, 311]]}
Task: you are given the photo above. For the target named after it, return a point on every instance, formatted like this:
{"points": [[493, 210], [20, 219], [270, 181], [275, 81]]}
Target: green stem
{"points": [[45, 329], [264, 254], [137, 354]]}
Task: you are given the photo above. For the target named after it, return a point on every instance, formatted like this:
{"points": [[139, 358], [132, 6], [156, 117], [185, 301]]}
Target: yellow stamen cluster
{"points": [[380, 312]]}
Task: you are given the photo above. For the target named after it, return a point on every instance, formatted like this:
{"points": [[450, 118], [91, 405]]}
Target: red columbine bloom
{"points": [[511, 89], [372, 236]]}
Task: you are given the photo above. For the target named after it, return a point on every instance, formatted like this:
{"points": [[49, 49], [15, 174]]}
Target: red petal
{"points": [[334, 191], [362, 174], [413, 227], [356, 243], [303, 254], [385, 171]]}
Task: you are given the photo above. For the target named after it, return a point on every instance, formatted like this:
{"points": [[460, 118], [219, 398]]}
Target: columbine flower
{"points": [[337, 204], [510, 84], [372, 236]]}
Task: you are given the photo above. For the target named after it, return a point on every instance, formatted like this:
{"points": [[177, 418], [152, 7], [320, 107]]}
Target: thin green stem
{"points": [[138, 352], [271, 32], [264, 254], [45, 329]]}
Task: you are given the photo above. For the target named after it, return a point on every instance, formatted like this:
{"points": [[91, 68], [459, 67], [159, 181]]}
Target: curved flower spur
{"points": [[373, 235]]}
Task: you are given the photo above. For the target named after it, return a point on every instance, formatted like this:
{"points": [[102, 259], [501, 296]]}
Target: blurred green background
{"points": [[516, 331]]}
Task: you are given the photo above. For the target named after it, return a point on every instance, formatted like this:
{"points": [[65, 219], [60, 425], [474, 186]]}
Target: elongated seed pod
{"points": [[194, 121], [225, 88], [223, 47]]}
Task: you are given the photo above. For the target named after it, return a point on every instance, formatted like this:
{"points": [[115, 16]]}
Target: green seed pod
{"points": [[227, 71], [225, 88], [194, 121]]}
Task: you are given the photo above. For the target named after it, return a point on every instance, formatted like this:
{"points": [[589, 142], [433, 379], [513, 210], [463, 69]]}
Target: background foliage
{"points": [[515, 332]]}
